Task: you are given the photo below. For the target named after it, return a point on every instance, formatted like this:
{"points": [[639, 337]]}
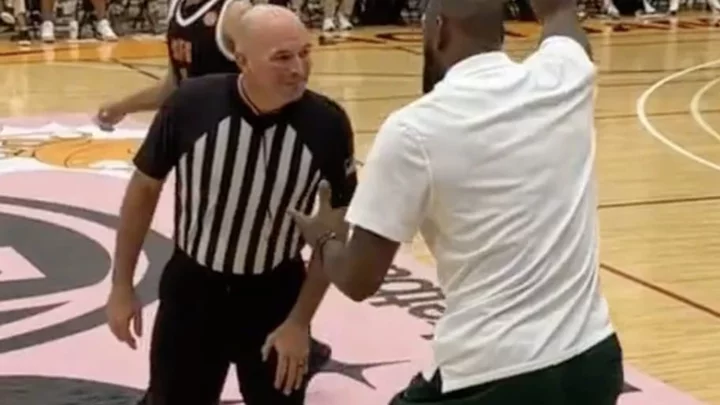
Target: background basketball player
{"points": [[199, 41]]}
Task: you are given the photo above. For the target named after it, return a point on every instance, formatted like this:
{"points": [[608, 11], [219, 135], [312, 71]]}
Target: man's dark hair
{"points": [[480, 21]]}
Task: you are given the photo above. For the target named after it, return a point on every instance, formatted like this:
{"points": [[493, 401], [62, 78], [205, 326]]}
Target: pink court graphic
{"points": [[58, 222]]}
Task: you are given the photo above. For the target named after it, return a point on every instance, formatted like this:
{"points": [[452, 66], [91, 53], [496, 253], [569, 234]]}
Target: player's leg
{"points": [[344, 12], [329, 9], [22, 32], [268, 299], [102, 25], [539, 388], [47, 29], [596, 377], [188, 354]]}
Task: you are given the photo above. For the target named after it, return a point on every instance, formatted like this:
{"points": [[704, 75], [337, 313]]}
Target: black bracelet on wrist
{"points": [[322, 241]]}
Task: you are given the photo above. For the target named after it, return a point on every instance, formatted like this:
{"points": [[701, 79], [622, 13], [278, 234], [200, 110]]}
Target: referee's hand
{"points": [[122, 309], [325, 219], [291, 342]]}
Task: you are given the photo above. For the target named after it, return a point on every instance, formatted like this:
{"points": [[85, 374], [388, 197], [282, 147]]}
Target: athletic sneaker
{"points": [[328, 25], [7, 18], [344, 23], [47, 31], [22, 38], [105, 30]]}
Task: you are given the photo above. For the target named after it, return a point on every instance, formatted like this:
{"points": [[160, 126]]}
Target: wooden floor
{"points": [[658, 133]]}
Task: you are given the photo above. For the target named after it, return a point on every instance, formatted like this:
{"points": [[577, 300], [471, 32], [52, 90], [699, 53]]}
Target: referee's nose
{"points": [[299, 68]]}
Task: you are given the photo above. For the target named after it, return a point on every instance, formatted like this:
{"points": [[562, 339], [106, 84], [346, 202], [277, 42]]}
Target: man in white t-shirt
{"points": [[494, 166]]}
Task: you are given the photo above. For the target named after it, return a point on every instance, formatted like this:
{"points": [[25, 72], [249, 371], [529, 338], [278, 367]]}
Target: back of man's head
{"points": [[456, 29], [477, 23]]}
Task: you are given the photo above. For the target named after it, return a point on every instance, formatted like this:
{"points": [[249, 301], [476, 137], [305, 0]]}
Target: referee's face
{"points": [[284, 66]]}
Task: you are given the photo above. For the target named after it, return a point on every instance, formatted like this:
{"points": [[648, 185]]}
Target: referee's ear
{"points": [[241, 60]]}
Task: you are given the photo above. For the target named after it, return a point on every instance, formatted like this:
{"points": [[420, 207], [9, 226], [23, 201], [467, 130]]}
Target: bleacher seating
{"points": [[149, 16]]}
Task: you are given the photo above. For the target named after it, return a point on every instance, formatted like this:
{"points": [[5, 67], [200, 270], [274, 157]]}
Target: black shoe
{"points": [[22, 38], [319, 357]]}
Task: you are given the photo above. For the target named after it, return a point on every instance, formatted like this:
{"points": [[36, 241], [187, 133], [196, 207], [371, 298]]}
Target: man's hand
{"points": [[108, 116], [122, 309], [291, 342], [326, 219]]}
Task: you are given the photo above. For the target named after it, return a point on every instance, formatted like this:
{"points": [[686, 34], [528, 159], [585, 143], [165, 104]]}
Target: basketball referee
{"points": [[245, 149], [200, 37], [495, 167]]}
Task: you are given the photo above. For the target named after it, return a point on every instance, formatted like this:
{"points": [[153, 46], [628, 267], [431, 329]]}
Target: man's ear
{"points": [[442, 35], [240, 59]]}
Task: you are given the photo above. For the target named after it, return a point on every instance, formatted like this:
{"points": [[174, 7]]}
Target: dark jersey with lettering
{"points": [[194, 38]]}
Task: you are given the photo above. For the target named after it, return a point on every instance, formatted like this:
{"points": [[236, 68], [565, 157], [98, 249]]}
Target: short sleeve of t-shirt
{"points": [[561, 56], [392, 198], [343, 176], [158, 152]]}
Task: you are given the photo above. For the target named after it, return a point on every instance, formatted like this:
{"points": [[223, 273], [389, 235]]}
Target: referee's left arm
{"points": [[387, 209], [339, 170]]}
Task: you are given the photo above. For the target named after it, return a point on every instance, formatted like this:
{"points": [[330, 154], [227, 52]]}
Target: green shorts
{"points": [[594, 377]]}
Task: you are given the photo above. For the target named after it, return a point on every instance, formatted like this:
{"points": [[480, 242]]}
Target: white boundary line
{"points": [[642, 115], [695, 109]]}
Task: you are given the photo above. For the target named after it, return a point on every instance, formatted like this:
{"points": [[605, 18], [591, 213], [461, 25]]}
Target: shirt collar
{"points": [[481, 61]]}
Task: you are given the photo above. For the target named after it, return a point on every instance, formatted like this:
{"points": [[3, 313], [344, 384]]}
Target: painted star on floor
{"points": [[350, 370], [627, 388], [356, 371]]}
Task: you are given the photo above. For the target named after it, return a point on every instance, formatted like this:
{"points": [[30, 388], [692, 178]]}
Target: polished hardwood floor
{"points": [[658, 156]]}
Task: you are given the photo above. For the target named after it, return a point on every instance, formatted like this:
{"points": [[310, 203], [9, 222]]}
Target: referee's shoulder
{"points": [[204, 86], [324, 105]]}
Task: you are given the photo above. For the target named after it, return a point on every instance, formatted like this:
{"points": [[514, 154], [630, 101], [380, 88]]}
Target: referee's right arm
{"points": [[154, 160]]}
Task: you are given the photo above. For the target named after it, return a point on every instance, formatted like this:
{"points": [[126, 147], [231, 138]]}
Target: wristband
{"points": [[322, 241]]}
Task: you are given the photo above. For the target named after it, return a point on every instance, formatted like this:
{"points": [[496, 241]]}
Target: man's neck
{"points": [[469, 50], [258, 100]]}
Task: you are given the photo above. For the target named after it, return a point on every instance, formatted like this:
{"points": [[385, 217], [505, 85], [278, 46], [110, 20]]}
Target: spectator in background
{"points": [[6, 17], [336, 15], [47, 30], [714, 6], [22, 34]]}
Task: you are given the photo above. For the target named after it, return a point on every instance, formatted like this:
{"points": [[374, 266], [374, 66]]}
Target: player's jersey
{"points": [[194, 38]]}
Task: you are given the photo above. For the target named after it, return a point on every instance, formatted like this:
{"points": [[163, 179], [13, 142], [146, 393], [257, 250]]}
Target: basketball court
{"points": [[61, 181]]}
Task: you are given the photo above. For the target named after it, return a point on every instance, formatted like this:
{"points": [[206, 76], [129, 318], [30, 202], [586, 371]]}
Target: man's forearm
{"points": [[311, 294], [148, 99], [339, 267], [136, 215]]}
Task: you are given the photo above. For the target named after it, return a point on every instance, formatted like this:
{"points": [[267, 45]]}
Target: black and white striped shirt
{"points": [[237, 173]]}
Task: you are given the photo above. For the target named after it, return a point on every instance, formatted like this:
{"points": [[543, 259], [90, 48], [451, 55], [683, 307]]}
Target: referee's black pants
{"points": [[594, 377], [206, 321]]}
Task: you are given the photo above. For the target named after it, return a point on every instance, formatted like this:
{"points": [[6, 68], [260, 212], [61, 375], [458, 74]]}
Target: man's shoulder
{"points": [[564, 49], [412, 116], [206, 85]]}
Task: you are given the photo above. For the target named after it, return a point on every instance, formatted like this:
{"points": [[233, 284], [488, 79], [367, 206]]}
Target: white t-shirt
{"points": [[495, 168]]}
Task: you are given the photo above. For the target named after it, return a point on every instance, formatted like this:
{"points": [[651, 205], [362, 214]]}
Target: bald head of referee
{"points": [[456, 29], [271, 48]]}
